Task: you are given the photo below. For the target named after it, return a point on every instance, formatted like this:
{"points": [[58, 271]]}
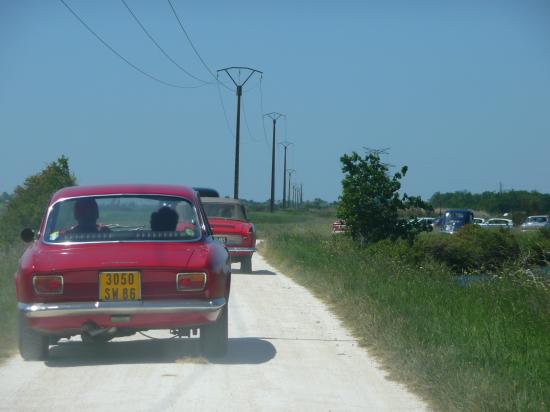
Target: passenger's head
{"points": [[226, 211], [86, 211], [164, 219]]}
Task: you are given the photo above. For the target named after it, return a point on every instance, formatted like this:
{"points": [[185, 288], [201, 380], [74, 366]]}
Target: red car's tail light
{"points": [[190, 282], [48, 285]]}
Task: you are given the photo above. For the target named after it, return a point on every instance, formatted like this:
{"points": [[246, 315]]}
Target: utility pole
{"points": [[273, 116], [301, 194], [285, 145], [290, 171], [239, 91]]}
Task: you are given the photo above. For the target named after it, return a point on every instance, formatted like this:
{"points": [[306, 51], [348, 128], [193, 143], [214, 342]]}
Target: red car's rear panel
{"points": [[238, 236], [163, 303]]}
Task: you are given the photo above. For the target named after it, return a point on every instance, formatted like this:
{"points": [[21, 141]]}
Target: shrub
{"points": [[534, 247], [370, 203], [471, 249], [26, 207]]}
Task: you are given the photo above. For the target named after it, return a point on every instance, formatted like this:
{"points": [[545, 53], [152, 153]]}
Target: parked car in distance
{"points": [[479, 220], [338, 226], [438, 222], [536, 222], [454, 219], [228, 220], [498, 223], [113, 260], [425, 222]]}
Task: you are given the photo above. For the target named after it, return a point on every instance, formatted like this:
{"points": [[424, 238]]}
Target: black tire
{"points": [[246, 264], [213, 338], [33, 346]]}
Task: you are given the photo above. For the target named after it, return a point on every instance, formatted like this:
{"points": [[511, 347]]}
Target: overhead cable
{"points": [[120, 56], [262, 113], [224, 110], [214, 76], [160, 47], [252, 138]]}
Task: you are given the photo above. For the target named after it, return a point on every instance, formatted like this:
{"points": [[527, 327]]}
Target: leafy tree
{"points": [[4, 197], [370, 203], [29, 201]]}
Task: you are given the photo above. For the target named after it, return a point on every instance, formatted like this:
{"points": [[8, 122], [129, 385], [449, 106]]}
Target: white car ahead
{"points": [[498, 223], [536, 222]]}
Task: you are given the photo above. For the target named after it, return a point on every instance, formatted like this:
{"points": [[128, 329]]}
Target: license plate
{"points": [[222, 239], [118, 286]]}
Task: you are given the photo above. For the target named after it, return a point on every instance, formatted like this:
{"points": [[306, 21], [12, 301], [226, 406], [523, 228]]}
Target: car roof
{"points": [[118, 189], [225, 200], [207, 192]]}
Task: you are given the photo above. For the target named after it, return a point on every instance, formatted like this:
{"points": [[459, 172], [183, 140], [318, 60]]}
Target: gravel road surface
{"points": [[287, 352]]}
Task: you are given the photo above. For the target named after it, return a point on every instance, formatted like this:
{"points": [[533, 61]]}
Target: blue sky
{"points": [[458, 90]]}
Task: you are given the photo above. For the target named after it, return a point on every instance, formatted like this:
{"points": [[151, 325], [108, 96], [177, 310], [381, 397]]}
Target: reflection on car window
{"points": [[122, 218], [455, 215]]}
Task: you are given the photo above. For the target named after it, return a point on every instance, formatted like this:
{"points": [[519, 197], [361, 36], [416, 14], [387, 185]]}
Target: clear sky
{"points": [[458, 90]]}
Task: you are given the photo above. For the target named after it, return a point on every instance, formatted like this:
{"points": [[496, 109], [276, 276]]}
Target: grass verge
{"points": [[481, 347], [9, 256]]}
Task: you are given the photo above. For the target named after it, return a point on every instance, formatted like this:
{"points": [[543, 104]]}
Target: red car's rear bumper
{"points": [[70, 317], [235, 251]]}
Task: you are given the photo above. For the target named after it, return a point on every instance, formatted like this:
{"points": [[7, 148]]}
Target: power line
{"points": [[98, 37], [247, 125], [224, 110], [214, 76], [257, 85], [262, 109], [159, 46]]}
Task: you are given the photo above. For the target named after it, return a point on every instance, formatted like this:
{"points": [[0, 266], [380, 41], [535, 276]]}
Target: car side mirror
{"points": [[27, 235]]}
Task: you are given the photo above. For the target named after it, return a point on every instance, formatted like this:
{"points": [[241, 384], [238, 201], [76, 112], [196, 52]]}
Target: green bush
{"points": [[534, 247], [471, 249], [27, 206]]}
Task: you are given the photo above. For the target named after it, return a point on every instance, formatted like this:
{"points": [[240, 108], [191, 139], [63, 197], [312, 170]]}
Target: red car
{"points": [[113, 260], [339, 226], [228, 220]]}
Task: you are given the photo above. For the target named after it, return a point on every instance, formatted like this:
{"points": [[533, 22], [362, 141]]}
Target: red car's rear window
{"points": [[117, 218]]}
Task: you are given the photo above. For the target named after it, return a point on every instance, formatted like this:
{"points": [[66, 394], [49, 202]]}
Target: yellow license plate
{"points": [[116, 286]]}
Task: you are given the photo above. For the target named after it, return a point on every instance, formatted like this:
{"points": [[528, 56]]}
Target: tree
{"points": [[4, 197], [29, 201], [370, 203]]}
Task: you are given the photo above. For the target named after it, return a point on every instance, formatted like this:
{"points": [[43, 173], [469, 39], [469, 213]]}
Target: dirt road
{"points": [[287, 352]]}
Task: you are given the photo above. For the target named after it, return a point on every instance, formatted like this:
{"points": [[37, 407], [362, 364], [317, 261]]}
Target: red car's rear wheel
{"points": [[33, 346], [214, 337], [246, 264]]}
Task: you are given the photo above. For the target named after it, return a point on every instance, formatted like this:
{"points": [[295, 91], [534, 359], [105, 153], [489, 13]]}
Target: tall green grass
{"points": [[480, 347], [9, 256]]}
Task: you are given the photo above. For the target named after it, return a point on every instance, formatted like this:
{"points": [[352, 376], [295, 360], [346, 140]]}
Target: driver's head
{"points": [[86, 211]]}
